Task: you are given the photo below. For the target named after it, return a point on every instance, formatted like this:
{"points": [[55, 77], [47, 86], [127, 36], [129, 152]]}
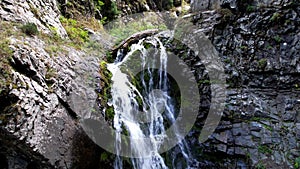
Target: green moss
{"points": [[277, 39], [105, 95], [227, 60], [51, 73], [268, 127], [226, 13], [5, 68], [250, 8], [244, 47], [147, 45], [297, 163], [109, 57], [110, 113], [262, 63], [275, 17], [104, 156], [98, 4], [264, 149], [260, 166]]}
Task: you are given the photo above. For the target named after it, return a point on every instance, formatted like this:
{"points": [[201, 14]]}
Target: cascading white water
{"points": [[140, 112]]}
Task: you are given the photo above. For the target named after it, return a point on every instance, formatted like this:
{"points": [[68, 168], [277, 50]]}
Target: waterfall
{"points": [[143, 110]]}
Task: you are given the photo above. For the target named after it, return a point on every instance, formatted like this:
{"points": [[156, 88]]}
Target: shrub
{"points": [[250, 8], [297, 163], [264, 149], [98, 4], [114, 9], [275, 17], [74, 30], [262, 63], [30, 29]]}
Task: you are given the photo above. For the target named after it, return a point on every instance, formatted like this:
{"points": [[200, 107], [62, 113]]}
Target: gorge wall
{"points": [[43, 82]]}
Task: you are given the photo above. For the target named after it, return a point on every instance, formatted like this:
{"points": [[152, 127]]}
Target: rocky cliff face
{"points": [[259, 45], [47, 87], [45, 14]]}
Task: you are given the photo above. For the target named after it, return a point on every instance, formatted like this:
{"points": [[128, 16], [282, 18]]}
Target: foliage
{"points": [[262, 63], [74, 30], [98, 4], [250, 8], [277, 39], [30, 29], [104, 95], [114, 9], [264, 149], [51, 73], [226, 13], [297, 163], [169, 4], [122, 32], [6, 30], [275, 17], [260, 166]]}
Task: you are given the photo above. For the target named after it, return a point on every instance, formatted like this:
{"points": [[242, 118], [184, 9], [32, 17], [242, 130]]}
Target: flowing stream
{"points": [[144, 109]]}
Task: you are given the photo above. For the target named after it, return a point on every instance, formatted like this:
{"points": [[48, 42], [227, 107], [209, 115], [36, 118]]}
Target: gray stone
{"points": [[44, 14]]}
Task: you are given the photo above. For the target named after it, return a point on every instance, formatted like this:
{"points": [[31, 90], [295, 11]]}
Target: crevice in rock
{"points": [[6, 100], [68, 108]]}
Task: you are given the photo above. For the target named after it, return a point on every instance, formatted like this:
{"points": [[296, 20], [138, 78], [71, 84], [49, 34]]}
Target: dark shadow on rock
{"points": [[15, 154], [3, 162], [86, 154]]}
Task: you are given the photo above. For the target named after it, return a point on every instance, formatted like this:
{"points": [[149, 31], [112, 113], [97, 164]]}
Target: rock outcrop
{"points": [[260, 49], [49, 96], [197, 5], [45, 14]]}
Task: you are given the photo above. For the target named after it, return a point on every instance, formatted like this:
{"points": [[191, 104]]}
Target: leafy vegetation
{"points": [[6, 30], [264, 149], [104, 95], [277, 39], [226, 13], [262, 63], [98, 4], [275, 17], [260, 166], [297, 163], [123, 30], [250, 8], [30, 29], [74, 30]]}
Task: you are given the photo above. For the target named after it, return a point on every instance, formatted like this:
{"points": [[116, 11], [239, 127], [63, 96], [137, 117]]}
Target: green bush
{"points": [[264, 149], [30, 29], [114, 9], [74, 30], [250, 8], [297, 163], [98, 4]]}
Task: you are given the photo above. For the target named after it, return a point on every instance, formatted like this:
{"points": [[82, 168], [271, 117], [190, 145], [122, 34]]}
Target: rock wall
{"points": [[260, 50], [197, 5], [44, 113], [45, 14], [48, 94]]}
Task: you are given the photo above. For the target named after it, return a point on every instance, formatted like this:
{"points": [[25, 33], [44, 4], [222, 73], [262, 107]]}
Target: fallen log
{"points": [[132, 39]]}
